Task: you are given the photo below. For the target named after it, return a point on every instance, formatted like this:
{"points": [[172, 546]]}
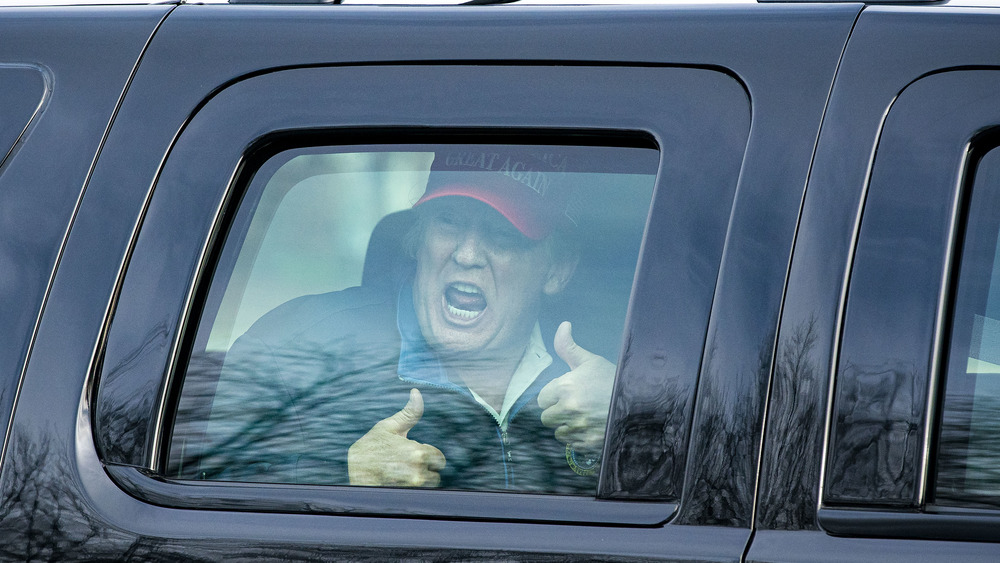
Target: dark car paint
{"points": [[62, 499], [808, 343]]}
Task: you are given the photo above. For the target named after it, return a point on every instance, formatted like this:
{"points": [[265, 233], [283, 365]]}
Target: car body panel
{"points": [[849, 162], [768, 281]]}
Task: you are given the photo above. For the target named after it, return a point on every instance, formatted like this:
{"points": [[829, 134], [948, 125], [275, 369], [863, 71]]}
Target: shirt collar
{"points": [[534, 361]]}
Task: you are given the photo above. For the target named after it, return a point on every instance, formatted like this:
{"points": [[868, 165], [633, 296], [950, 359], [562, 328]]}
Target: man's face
{"points": [[479, 281]]}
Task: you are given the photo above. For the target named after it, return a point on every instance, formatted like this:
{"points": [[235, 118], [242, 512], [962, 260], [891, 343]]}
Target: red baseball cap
{"points": [[527, 187]]}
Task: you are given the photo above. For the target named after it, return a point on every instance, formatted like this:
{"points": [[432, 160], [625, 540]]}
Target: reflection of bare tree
{"points": [[289, 414], [721, 466], [875, 434], [643, 463], [789, 483], [41, 517], [968, 468], [44, 517], [274, 415], [124, 430], [644, 433]]}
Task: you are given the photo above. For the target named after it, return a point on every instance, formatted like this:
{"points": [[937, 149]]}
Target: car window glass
{"points": [[394, 316], [23, 90], [968, 469]]}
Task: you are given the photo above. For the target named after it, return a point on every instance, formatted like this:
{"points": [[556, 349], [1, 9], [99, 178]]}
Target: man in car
{"points": [[447, 382]]}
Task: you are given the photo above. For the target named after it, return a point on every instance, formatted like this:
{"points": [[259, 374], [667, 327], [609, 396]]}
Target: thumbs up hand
{"points": [[576, 403], [386, 457]]}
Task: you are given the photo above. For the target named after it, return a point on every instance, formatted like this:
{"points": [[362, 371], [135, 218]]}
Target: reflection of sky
{"points": [[984, 349], [981, 444], [896, 301], [316, 240], [982, 472], [325, 207]]}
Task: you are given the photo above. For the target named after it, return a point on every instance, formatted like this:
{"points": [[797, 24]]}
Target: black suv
{"points": [[786, 225]]}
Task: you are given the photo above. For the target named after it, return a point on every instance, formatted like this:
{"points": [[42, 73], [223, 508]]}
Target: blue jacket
{"points": [[315, 374]]}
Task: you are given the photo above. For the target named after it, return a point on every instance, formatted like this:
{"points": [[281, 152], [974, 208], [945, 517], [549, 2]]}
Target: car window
{"points": [[435, 315], [968, 470], [23, 90]]}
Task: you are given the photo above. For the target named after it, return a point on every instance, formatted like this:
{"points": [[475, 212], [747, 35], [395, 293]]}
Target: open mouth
{"points": [[464, 300]]}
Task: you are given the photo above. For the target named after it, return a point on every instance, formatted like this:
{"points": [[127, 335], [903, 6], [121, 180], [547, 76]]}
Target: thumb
{"points": [[401, 422], [567, 348]]}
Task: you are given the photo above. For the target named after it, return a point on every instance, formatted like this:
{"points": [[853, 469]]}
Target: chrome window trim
{"points": [[941, 335]]}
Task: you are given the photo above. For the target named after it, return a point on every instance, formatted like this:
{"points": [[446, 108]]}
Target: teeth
{"points": [[463, 313], [465, 288], [466, 301]]}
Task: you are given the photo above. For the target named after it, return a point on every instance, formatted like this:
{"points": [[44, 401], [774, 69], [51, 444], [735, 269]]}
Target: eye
{"points": [[447, 219], [507, 237]]}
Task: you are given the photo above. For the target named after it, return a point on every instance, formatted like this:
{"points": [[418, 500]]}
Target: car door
{"points": [[60, 92], [62, 75], [689, 140], [880, 357]]}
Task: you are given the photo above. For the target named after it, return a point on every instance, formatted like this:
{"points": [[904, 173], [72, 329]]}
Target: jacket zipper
{"points": [[506, 456]]}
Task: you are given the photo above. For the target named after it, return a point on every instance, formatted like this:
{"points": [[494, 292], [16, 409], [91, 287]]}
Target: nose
{"points": [[470, 251]]}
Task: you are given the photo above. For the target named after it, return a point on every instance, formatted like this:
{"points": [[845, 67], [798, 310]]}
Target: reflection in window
{"points": [[424, 316], [968, 470]]}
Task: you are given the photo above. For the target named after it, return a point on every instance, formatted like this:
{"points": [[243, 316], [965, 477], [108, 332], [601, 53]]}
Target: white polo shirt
{"points": [[534, 361]]}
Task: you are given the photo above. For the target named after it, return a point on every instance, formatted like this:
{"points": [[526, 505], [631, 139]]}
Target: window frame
{"points": [[134, 381], [984, 144], [942, 155], [250, 186]]}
